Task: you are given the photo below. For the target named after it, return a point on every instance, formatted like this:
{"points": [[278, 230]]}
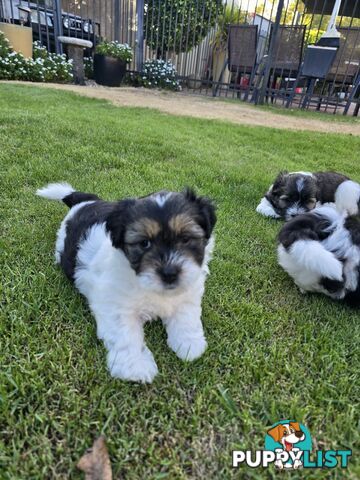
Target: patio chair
{"points": [[288, 52], [242, 44], [343, 74], [287, 55], [354, 95], [345, 68]]}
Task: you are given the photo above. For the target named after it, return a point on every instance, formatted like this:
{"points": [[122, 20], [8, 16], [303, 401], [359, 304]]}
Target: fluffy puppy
{"points": [[320, 250], [299, 192], [134, 260]]}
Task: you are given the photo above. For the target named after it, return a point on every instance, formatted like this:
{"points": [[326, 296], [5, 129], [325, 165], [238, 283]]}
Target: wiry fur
{"points": [[127, 284], [299, 192], [320, 250]]}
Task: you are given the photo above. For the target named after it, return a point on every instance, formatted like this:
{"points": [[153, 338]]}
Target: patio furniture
{"points": [[316, 66], [354, 94], [341, 74], [288, 52], [286, 59], [345, 69], [242, 44], [76, 48], [347, 60]]}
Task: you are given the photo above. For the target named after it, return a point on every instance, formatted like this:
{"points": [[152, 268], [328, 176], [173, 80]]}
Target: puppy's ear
{"points": [[296, 426], [276, 433], [206, 211], [279, 182], [117, 221]]}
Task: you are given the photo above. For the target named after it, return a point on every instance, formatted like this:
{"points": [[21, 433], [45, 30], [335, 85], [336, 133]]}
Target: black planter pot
{"points": [[108, 71]]}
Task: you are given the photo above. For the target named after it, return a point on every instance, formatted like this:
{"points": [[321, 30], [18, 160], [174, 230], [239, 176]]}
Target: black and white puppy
{"points": [[134, 260], [320, 250], [300, 192]]}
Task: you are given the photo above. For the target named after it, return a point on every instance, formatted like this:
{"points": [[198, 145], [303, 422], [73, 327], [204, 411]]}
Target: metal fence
{"points": [[251, 50]]}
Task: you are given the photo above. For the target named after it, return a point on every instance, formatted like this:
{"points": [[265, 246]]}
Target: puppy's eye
{"points": [[185, 240], [145, 244]]}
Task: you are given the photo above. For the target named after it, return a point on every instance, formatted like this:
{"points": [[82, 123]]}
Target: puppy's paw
{"points": [[265, 208], [188, 348], [139, 367], [297, 464]]}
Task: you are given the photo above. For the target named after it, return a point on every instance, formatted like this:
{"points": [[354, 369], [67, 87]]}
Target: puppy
{"points": [[320, 250], [134, 260], [288, 435], [300, 192]]}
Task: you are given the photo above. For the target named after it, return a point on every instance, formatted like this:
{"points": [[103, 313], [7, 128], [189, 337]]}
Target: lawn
{"points": [[273, 353]]}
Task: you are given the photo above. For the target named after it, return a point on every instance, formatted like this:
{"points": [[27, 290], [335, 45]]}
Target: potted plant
{"points": [[110, 62]]}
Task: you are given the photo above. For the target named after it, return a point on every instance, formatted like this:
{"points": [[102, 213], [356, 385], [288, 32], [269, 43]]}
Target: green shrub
{"points": [[157, 74], [4, 45], [43, 67], [122, 51], [178, 25]]}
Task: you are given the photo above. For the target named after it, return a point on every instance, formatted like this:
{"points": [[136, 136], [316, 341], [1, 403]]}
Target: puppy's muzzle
{"points": [[169, 275]]}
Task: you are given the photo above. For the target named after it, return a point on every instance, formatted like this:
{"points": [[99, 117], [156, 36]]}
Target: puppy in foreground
{"points": [[135, 260], [320, 250], [299, 192]]}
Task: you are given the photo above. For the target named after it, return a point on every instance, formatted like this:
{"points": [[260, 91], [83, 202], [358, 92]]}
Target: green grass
{"points": [[273, 353], [296, 112], [312, 114]]}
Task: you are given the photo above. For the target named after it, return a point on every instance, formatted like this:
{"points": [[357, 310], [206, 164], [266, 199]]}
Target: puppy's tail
{"points": [[347, 197], [311, 255], [66, 193]]}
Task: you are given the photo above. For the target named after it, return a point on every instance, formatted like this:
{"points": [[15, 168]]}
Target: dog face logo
{"points": [[288, 439], [288, 434]]}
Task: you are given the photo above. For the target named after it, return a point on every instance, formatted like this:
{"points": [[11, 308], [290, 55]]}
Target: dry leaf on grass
{"points": [[95, 462]]}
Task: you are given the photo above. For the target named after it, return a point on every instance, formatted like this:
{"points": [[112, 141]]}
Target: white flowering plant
{"points": [[159, 74], [43, 67], [114, 49]]}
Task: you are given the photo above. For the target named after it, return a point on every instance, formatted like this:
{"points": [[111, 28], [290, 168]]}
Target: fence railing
{"points": [[252, 50]]}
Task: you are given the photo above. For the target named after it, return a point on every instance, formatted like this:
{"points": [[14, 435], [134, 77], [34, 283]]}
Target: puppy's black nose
{"points": [[299, 434], [169, 274]]}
